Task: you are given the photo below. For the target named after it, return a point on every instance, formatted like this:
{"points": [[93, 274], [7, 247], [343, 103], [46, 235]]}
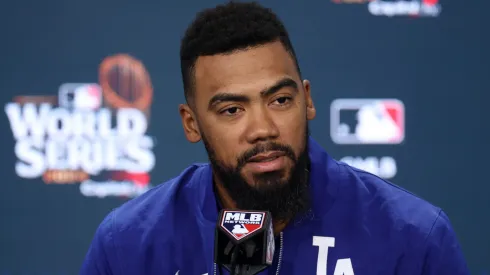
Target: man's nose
{"points": [[261, 127]]}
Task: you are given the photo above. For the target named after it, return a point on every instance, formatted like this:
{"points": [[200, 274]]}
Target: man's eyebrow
{"points": [[285, 82], [224, 97]]}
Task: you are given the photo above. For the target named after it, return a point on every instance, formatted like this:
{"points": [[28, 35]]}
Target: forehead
{"points": [[242, 71]]}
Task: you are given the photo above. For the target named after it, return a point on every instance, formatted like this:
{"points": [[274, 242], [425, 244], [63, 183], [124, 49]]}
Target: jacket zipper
{"points": [[278, 262], [280, 253]]}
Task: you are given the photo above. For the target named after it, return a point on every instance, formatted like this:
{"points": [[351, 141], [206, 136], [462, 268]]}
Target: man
{"points": [[247, 102]]}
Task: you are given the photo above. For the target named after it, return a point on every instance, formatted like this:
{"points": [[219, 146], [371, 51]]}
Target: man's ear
{"points": [[310, 107], [189, 123]]}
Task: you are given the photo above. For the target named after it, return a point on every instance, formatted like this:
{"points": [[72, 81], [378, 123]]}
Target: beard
{"points": [[284, 194]]}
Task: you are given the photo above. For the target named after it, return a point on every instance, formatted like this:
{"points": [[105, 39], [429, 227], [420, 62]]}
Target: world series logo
{"points": [[90, 133]]}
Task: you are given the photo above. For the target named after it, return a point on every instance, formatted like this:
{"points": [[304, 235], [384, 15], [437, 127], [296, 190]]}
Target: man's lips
{"points": [[267, 162], [265, 157]]}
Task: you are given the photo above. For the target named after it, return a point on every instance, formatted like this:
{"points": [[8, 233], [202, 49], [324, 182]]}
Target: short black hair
{"points": [[227, 28]]}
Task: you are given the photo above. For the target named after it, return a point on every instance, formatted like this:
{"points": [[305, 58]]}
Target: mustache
{"points": [[262, 148]]}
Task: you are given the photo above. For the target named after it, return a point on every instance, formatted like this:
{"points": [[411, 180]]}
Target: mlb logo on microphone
{"points": [[80, 96], [240, 224], [367, 121]]}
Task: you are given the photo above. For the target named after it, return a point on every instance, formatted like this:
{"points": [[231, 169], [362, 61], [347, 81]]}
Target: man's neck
{"points": [[228, 203]]}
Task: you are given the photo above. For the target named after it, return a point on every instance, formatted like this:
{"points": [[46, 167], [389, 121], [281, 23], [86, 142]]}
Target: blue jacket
{"points": [[360, 225]]}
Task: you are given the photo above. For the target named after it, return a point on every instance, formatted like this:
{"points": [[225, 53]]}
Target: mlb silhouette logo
{"points": [[367, 121], [240, 224], [80, 96]]}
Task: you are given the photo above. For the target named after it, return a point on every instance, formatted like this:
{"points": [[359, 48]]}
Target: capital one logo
{"points": [[423, 8], [416, 8]]}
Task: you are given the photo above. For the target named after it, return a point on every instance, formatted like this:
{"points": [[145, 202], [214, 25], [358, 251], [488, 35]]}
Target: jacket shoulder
{"points": [[157, 204], [403, 211], [417, 228], [142, 232]]}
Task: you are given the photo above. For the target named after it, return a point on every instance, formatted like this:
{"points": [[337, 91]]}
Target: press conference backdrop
{"points": [[401, 90]]}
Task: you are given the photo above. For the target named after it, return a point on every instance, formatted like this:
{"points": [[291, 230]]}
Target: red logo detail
{"points": [[430, 2], [139, 179], [246, 229]]}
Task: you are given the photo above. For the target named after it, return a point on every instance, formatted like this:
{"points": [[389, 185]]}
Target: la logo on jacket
{"points": [[342, 267]]}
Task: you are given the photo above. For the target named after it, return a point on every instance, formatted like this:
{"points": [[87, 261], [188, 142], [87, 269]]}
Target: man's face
{"points": [[251, 110]]}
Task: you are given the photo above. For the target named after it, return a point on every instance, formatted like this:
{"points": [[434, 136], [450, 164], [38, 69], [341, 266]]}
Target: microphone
{"points": [[244, 241]]}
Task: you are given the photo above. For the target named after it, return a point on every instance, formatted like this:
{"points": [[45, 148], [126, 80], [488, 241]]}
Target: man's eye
{"points": [[230, 111], [283, 100]]}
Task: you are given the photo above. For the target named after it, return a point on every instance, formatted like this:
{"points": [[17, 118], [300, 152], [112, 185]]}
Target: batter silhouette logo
{"points": [[90, 133], [240, 224], [367, 121], [80, 96]]}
